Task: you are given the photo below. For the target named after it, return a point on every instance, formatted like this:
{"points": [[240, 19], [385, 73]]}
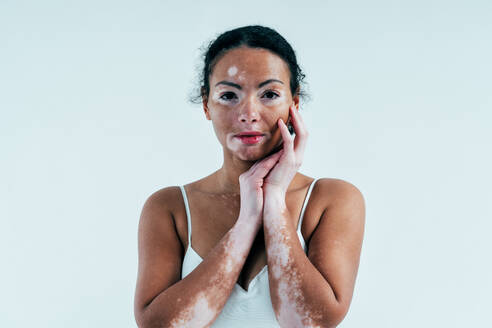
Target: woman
{"points": [[271, 247]]}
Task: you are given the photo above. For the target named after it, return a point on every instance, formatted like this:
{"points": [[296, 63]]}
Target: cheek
{"points": [[280, 101], [272, 117], [222, 125], [219, 127], [231, 145]]}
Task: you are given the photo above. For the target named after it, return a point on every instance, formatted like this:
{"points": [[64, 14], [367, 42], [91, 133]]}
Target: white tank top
{"points": [[251, 308]]}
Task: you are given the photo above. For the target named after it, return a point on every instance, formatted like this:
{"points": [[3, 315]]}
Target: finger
{"points": [[297, 119], [298, 122], [288, 139], [259, 162], [301, 132], [269, 161], [266, 164]]}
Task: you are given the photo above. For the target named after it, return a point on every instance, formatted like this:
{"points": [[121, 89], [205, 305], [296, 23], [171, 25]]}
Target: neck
{"points": [[227, 176]]}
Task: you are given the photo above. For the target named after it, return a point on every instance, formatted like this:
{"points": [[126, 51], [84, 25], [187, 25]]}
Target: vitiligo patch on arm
{"points": [[291, 309]]}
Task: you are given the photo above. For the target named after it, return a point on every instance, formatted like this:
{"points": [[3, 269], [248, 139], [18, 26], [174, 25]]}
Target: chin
{"points": [[250, 157], [250, 153]]}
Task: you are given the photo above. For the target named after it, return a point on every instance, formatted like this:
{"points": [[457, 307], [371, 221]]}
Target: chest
{"points": [[212, 216]]}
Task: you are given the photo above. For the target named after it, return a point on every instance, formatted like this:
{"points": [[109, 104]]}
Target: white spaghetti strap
{"points": [[305, 203], [188, 216]]}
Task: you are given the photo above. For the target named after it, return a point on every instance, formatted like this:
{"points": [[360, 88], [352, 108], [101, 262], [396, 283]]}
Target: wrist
{"points": [[274, 202], [248, 222], [273, 190]]}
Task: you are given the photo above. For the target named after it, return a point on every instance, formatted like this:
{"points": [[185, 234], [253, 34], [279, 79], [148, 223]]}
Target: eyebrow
{"points": [[239, 87]]}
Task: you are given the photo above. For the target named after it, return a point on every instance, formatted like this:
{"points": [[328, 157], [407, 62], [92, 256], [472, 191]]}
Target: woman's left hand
{"points": [[281, 175]]}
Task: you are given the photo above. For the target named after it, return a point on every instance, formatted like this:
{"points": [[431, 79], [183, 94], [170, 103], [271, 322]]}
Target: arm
{"points": [[315, 291], [161, 298]]}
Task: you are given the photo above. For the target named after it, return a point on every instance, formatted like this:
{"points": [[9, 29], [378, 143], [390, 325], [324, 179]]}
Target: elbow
{"points": [[331, 322], [145, 318], [335, 317]]}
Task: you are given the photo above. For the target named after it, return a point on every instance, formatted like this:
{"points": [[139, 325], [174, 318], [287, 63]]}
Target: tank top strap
{"points": [[306, 199], [188, 216]]}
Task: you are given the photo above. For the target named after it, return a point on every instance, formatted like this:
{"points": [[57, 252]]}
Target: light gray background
{"points": [[94, 119]]}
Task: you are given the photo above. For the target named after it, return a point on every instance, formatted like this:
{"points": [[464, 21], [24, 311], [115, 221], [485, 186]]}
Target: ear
{"points": [[205, 107]]}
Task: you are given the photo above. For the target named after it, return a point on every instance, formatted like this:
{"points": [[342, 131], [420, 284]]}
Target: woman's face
{"points": [[249, 91]]}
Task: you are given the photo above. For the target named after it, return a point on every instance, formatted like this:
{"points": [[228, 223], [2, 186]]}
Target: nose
{"points": [[249, 111]]}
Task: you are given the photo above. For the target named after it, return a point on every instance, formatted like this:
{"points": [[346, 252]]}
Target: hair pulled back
{"points": [[253, 36]]}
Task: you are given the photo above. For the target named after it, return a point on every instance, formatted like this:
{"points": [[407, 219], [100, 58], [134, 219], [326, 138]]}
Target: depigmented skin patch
{"points": [[290, 307], [212, 291], [233, 110], [232, 71], [241, 76], [199, 314]]}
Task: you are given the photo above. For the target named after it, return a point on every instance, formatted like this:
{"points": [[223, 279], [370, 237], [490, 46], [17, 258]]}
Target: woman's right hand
{"points": [[251, 189]]}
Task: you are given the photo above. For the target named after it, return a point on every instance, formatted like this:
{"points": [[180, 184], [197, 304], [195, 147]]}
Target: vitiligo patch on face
{"points": [[241, 76], [216, 95], [232, 71]]}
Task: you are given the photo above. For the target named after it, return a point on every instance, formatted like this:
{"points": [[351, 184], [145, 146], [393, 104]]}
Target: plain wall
{"points": [[95, 118]]}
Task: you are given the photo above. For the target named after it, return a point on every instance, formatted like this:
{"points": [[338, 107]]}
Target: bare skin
{"points": [[257, 189], [206, 205]]}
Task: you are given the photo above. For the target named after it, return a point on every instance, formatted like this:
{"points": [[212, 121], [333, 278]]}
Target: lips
{"points": [[251, 139], [249, 134]]}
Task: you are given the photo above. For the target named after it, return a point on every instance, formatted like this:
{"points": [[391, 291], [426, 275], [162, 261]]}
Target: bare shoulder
{"points": [[333, 192], [160, 250], [329, 192], [336, 243], [168, 201], [330, 197], [335, 184], [164, 199]]}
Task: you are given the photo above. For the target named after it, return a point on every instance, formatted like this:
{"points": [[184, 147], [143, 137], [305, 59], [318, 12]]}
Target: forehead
{"points": [[250, 65]]}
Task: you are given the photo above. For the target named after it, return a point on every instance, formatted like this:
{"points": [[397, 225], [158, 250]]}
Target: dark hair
{"points": [[253, 36]]}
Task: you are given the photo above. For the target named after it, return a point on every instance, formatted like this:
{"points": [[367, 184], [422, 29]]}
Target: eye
{"points": [[272, 94], [227, 94]]}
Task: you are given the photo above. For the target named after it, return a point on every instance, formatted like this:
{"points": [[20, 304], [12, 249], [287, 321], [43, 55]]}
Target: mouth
{"points": [[250, 139]]}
